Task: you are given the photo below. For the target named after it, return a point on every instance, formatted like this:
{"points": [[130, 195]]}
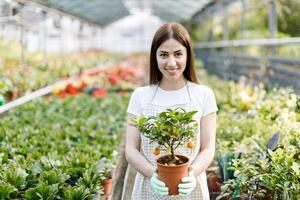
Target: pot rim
{"points": [[106, 180], [183, 164]]}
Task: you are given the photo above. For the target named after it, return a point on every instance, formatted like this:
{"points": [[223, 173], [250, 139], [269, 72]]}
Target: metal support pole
{"points": [[224, 21], [242, 27], [91, 38], [207, 33], [80, 36], [44, 42], [100, 38], [211, 35], [61, 37], [273, 27], [94, 37], [10, 11], [22, 45]]}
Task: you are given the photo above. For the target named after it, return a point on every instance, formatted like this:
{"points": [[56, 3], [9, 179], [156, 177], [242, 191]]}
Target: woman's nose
{"points": [[171, 61]]}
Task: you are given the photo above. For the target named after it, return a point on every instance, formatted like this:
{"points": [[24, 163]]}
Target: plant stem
{"points": [[172, 152]]}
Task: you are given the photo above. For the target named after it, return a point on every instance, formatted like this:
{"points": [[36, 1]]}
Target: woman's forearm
{"points": [[139, 162], [208, 137], [202, 161]]}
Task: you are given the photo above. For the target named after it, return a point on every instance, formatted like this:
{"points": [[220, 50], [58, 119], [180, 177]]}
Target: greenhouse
{"points": [[106, 99]]}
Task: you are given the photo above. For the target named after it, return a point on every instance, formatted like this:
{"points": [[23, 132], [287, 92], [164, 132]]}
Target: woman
{"points": [[173, 83]]}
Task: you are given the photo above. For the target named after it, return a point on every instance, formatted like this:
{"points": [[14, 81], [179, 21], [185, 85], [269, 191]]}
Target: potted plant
{"points": [[105, 167], [170, 129]]}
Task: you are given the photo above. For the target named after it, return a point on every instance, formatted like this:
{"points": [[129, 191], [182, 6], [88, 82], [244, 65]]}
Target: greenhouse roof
{"points": [[100, 12], [103, 12], [180, 10], [170, 10]]}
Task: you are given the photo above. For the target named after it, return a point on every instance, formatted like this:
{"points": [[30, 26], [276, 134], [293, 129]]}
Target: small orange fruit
{"points": [[190, 145], [156, 151]]}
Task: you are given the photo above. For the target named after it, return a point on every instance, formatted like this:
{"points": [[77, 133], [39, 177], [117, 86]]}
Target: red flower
{"points": [[100, 93], [62, 94], [113, 79], [71, 89]]}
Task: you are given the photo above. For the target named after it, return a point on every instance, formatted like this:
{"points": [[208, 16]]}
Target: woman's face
{"points": [[171, 59]]}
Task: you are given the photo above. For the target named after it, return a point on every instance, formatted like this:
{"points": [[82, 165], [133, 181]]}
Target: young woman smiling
{"points": [[173, 83]]}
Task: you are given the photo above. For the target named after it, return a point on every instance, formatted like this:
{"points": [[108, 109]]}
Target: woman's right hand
{"points": [[157, 185]]}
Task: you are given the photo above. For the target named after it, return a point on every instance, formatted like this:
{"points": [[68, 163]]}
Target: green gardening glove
{"points": [[187, 184], [157, 185]]}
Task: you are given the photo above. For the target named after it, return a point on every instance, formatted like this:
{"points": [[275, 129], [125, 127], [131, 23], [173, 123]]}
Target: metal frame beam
{"points": [[252, 42], [273, 24]]}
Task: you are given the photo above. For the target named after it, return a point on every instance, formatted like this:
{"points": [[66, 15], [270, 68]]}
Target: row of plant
{"points": [[258, 141], [62, 146], [121, 77], [16, 78], [58, 149]]}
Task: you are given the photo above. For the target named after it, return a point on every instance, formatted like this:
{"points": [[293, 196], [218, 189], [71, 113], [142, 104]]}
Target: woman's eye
{"points": [[163, 55], [178, 54]]}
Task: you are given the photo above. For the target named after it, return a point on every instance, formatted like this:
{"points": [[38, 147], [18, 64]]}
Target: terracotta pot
{"points": [[172, 175], [107, 186], [213, 182]]}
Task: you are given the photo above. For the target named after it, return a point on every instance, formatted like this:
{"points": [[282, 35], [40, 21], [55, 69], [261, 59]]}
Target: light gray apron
{"points": [[142, 189]]}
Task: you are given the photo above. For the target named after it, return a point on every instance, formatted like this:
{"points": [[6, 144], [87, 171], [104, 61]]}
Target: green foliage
{"points": [[105, 166], [288, 20], [169, 129], [53, 177], [246, 133], [42, 191], [76, 193], [243, 133], [7, 191], [276, 176], [90, 180], [48, 147], [15, 176]]}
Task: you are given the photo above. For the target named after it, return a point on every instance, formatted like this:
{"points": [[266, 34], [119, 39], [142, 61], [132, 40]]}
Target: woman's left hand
{"points": [[187, 184]]}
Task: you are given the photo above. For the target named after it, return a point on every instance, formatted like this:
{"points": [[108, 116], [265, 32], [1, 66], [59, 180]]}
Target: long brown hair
{"points": [[178, 32]]}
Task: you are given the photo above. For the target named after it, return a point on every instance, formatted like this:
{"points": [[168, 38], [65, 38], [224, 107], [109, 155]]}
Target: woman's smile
{"points": [[172, 70]]}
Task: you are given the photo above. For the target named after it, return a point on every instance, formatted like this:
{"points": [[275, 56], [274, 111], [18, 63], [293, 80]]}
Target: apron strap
{"points": [[188, 90], [154, 93], [187, 87]]}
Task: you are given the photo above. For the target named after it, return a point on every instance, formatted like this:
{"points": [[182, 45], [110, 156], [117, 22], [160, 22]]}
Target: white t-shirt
{"points": [[200, 94]]}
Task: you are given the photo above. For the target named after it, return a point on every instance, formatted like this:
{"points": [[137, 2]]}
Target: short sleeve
{"points": [[134, 106], [209, 105]]}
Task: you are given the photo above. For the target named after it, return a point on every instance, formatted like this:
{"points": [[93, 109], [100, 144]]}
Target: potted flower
{"points": [[170, 129], [105, 167]]}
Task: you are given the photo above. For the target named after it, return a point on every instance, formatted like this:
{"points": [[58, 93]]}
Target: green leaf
{"points": [[42, 191], [76, 193], [7, 191]]}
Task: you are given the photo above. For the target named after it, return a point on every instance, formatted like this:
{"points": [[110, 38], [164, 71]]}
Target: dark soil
{"points": [[169, 161]]}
